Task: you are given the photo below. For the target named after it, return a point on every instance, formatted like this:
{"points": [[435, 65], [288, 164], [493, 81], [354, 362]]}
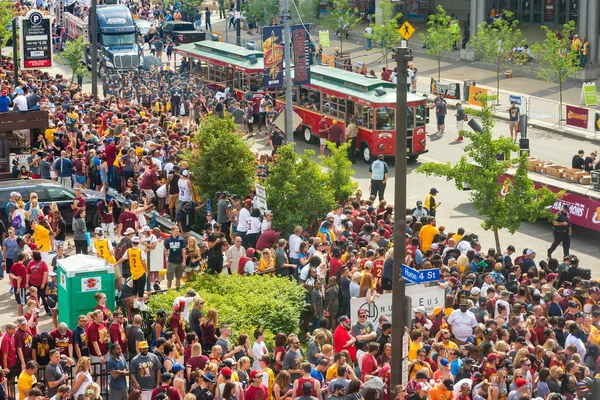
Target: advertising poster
{"points": [[474, 91], [577, 117], [448, 90], [273, 56], [324, 38], [35, 41], [301, 46]]}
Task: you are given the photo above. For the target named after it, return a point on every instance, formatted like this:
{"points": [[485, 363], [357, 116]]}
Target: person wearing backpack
{"points": [[167, 388], [11, 206]]}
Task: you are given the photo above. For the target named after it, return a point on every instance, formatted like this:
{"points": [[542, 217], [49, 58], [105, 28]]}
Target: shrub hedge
{"points": [[245, 303]]}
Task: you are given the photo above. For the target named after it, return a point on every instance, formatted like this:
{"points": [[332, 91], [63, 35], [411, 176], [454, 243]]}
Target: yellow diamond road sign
{"points": [[406, 30]]}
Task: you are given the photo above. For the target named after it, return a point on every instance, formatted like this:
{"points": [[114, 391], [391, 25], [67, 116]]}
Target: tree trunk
{"points": [[497, 240], [439, 68], [498, 86], [560, 119]]}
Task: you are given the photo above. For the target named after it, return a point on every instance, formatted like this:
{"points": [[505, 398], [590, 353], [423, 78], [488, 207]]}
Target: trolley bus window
{"points": [[218, 74], [334, 106], [310, 98], [239, 80], [385, 119], [421, 115], [364, 116], [200, 67], [410, 117], [256, 83]]}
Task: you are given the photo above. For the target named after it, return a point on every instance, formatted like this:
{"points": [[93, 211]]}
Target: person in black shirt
{"points": [[276, 140], [590, 161], [578, 161], [562, 231], [61, 228], [215, 252], [185, 218]]}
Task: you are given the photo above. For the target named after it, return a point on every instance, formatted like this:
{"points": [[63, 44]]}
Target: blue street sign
{"points": [[426, 275], [516, 99]]}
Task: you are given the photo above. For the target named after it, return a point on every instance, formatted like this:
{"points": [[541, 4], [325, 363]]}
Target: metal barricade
{"points": [[544, 110], [504, 101]]}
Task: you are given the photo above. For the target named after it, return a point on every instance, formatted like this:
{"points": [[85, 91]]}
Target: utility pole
{"points": [[15, 21], [399, 318], [238, 23], [93, 21], [287, 48]]}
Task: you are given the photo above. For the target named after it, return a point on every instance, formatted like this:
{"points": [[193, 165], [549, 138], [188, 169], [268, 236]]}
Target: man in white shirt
{"points": [[233, 255], [20, 102], [294, 242], [573, 338], [243, 219], [462, 321], [409, 76], [504, 297], [266, 222]]}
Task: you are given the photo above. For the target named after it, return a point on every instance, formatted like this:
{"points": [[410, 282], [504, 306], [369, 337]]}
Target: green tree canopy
{"points": [[342, 19], [7, 14], [385, 33], [262, 11], [557, 60], [297, 190], [339, 171], [495, 41], [74, 54], [442, 35], [221, 159], [305, 12], [484, 175]]}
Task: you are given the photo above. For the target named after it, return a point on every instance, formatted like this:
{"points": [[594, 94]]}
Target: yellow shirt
{"points": [[262, 264], [25, 382], [271, 375], [412, 350], [49, 134], [457, 238], [41, 237], [332, 372], [426, 234], [103, 251], [450, 345], [135, 263]]}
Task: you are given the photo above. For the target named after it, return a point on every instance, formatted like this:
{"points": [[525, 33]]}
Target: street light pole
{"points": [[399, 318], [238, 22], [287, 46], [93, 21]]}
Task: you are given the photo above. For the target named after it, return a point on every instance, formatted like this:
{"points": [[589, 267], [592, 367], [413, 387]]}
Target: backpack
{"points": [[121, 249], [16, 222]]}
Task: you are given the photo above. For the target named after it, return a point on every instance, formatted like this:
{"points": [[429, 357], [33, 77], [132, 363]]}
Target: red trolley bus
{"points": [[339, 95]]}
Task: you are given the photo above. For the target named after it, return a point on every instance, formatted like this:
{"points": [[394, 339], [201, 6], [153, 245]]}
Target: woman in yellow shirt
{"points": [[266, 263]]}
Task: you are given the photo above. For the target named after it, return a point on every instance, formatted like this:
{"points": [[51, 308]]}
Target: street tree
{"points": [[494, 43], [556, 58], [220, 159], [297, 191], [305, 12], [342, 19], [7, 14], [503, 202], [74, 54], [443, 34], [385, 33], [261, 12], [339, 171]]}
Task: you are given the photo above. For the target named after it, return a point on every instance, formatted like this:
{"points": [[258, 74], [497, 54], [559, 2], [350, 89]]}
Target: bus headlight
{"points": [[381, 147], [423, 142]]}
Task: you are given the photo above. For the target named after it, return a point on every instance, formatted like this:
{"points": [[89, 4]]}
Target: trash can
{"points": [[80, 277], [467, 86]]}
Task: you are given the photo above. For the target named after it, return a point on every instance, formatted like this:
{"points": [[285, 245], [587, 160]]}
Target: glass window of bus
{"points": [[421, 115], [364, 115], [240, 80], [310, 98], [410, 117], [200, 67], [334, 106], [385, 119], [256, 83], [217, 74]]}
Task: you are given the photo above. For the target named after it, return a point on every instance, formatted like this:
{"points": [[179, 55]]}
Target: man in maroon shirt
{"points": [[267, 239], [23, 341], [9, 355], [256, 391], [386, 74], [63, 339], [78, 201], [18, 274], [149, 180], [127, 219], [177, 325], [98, 338], [111, 155], [323, 133], [167, 388], [117, 333], [80, 170]]}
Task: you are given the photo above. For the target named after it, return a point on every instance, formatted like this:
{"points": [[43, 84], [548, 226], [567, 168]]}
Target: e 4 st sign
{"points": [[422, 276]]}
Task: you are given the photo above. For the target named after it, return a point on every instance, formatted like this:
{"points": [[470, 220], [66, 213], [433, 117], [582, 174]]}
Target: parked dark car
{"points": [[181, 32], [51, 192]]}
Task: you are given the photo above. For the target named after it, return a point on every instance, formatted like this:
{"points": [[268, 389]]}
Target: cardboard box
{"points": [[532, 163], [544, 170], [585, 180], [541, 167], [576, 176], [556, 173]]}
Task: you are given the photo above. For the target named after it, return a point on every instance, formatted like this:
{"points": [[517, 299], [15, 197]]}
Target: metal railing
{"points": [[544, 110]]}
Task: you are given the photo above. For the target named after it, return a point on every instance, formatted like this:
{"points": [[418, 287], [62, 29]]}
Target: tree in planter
{"points": [[339, 171], [385, 34], [504, 203], [557, 59], [74, 54], [342, 19], [297, 190], [495, 41], [442, 36], [261, 12], [221, 159]]}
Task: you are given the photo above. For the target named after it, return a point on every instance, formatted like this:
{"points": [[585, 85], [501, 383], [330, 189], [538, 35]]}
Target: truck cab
{"points": [[118, 49]]}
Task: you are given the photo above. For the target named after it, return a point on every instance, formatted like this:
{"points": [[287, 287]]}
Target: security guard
{"points": [[379, 175], [562, 231]]}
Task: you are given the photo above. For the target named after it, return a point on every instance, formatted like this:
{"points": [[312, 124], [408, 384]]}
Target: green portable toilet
{"points": [[80, 277]]}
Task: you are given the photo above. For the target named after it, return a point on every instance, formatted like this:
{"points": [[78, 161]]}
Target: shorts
{"points": [[386, 283], [127, 174], [80, 179], [513, 124], [441, 119], [149, 193], [173, 200], [117, 394], [21, 296], [139, 285], [174, 269], [322, 141], [14, 372], [460, 124]]}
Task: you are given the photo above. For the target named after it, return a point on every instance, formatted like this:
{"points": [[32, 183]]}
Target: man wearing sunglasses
{"points": [[256, 391]]}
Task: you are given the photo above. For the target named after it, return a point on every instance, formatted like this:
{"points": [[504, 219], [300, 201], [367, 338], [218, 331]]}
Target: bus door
{"points": [[410, 128], [229, 81], [420, 132], [349, 110]]}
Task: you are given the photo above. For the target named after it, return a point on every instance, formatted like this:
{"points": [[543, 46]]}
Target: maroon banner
{"points": [[549, 10], [577, 117]]}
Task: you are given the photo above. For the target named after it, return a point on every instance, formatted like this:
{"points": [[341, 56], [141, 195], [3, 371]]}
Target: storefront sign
{"points": [[35, 41], [448, 90], [324, 38], [428, 297], [301, 45], [475, 91], [273, 56], [577, 117]]}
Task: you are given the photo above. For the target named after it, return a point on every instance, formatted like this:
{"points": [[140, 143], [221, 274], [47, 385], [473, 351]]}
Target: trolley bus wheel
{"points": [[413, 157], [307, 135], [366, 153]]}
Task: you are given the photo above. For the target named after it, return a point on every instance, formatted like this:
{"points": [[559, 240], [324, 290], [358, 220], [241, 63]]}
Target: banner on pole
{"points": [[301, 46], [273, 56]]}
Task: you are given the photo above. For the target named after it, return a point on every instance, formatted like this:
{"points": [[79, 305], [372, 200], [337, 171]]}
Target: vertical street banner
{"points": [[273, 56], [301, 46], [35, 41]]}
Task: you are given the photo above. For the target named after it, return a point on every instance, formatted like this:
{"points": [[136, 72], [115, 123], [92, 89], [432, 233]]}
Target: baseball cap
{"points": [[247, 201], [143, 345], [475, 291], [422, 375], [552, 276], [146, 228], [419, 203], [569, 292], [250, 252], [477, 376], [520, 382], [433, 190], [530, 252], [573, 304], [166, 376], [254, 373], [437, 310], [422, 386], [21, 321], [185, 173], [98, 231], [135, 239], [520, 339], [420, 310], [209, 377], [330, 215], [40, 218], [444, 362], [226, 372], [129, 231], [361, 311], [492, 357], [53, 273], [344, 318], [449, 383], [464, 302], [468, 361], [338, 386]]}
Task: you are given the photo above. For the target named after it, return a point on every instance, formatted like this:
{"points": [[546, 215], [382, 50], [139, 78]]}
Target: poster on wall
{"points": [[273, 56]]}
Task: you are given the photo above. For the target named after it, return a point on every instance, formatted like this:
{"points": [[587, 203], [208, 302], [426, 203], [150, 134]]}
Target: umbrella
{"points": [[149, 61]]}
